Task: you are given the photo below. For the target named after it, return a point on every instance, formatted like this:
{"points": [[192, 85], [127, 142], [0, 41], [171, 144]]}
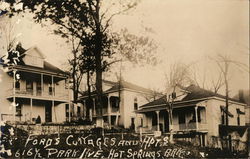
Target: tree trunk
{"points": [[75, 89], [227, 104], [227, 90], [99, 88], [171, 138], [98, 60], [88, 106]]}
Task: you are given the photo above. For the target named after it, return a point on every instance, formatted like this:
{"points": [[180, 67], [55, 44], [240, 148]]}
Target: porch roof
{"points": [[166, 105], [195, 93]]}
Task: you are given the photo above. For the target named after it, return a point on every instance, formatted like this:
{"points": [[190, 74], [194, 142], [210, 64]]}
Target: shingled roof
{"points": [[195, 93]]}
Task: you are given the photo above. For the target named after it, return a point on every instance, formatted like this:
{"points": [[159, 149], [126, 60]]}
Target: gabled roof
{"points": [[127, 85], [195, 93], [115, 86], [46, 65], [36, 50]]}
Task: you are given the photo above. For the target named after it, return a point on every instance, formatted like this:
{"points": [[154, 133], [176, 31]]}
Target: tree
{"points": [[7, 28], [136, 49], [12, 52], [200, 79], [224, 62], [179, 76], [217, 84], [155, 94], [82, 19]]}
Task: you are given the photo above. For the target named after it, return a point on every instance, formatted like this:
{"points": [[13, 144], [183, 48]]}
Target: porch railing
{"points": [[6, 117], [190, 126], [149, 129], [114, 110], [42, 94], [105, 111]]}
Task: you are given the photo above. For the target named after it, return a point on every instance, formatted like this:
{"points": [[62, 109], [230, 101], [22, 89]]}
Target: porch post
{"points": [[31, 108], [94, 110], [90, 111], [196, 117], [53, 89], [158, 120], [42, 84], [14, 95], [69, 99], [53, 106], [109, 111]]}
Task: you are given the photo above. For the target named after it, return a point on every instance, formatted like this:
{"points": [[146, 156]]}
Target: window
{"points": [[114, 102], [182, 118], [222, 117], [19, 109], [199, 114], [78, 111], [17, 85], [224, 114], [132, 123], [67, 111], [38, 88], [135, 104], [29, 86], [51, 89], [239, 112], [238, 119]]}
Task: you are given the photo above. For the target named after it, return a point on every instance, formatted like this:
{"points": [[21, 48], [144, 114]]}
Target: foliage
{"points": [[179, 75], [136, 49], [86, 23]]}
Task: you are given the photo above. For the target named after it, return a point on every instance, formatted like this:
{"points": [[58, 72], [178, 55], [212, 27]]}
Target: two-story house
{"points": [[197, 114], [121, 100], [36, 87]]}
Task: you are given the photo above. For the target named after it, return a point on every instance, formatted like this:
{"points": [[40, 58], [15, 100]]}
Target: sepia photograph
{"points": [[124, 79]]}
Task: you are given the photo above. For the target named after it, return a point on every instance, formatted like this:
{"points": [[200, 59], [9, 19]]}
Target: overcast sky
{"points": [[187, 31]]}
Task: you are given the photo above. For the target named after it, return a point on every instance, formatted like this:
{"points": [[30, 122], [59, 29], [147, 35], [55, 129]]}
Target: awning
{"points": [[225, 111], [239, 111], [225, 130]]}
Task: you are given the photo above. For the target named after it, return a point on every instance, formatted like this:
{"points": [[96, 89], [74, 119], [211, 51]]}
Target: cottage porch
{"points": [[185, 118]]}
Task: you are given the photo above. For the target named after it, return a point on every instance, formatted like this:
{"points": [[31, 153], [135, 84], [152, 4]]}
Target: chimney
{"points": [[241, 96]]}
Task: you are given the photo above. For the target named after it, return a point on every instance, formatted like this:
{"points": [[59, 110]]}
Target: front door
{"points": [[154, 121], [166, 121], [132, 123], [48, 112]]}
